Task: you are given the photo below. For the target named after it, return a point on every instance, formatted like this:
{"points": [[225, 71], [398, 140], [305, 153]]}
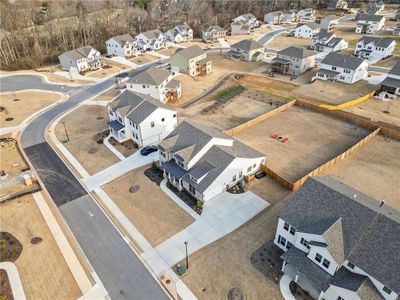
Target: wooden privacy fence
{"points": [[259, 119]]}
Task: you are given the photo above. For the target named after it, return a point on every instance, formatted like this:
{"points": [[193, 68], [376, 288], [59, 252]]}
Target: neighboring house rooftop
{"points": [[190, 52], [79, 53], [378, 41], [311, 25], [370, 17], [210, 28], [123, 39], [151, 76], [331, 17], [342, 60], [247, 45], [152, 34], [323, 34], [396, 69], [296, 52], [366, 232]]}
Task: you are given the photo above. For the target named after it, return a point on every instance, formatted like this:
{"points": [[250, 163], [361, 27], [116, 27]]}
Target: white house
{"points": [[273, 18], [328, 42], [140, 118], [180, 33], [374, 48], [396, 30], [211, 34], [156, 83], [329, 22], [293, 61], [83, 59], [369, 23], [151, 40], [390, 86], [337, 4], [240, 28], [122, 45], [375, 7], [249, 50], [306, 14], [306, 30], [343, 68], [192, 61], [288, 16], [248, 19], [205, 162], [339, 243]]}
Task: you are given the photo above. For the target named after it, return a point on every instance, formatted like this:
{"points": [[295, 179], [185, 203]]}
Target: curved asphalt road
{"points": [[121, 271]]}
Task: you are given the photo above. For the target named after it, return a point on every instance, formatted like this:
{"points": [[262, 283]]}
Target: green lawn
{"points": [[229, 92]]}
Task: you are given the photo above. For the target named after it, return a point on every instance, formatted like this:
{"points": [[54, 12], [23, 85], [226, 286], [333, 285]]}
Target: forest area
{"points": [[33, 33]]}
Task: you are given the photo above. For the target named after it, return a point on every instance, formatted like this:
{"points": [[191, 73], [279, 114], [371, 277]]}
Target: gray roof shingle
{"points": [[377, 41], [247, 45], [123, 39], [370, 17], [312, 25], [190, 52], [297, 52], [342, 60], [151, 76], [396, 69]]}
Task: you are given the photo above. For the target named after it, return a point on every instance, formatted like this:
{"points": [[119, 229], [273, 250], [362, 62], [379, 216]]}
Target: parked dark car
{"points": [[260, 174], [148, 149]]}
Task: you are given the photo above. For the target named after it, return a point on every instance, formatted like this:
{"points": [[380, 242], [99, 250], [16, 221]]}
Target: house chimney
{"points": [[382, 202]]}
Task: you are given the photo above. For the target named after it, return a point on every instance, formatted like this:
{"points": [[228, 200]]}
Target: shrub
{"points": [[154, 166]]}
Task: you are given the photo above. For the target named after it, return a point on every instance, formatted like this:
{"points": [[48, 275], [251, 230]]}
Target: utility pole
{"points": [[187, 256], [66, 132]]}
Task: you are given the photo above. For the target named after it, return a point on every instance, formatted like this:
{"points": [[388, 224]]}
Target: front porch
{"points": [[117, 131]]}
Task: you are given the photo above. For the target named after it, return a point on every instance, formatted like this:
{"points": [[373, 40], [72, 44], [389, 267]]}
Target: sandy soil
{"points": [[105, 72], [83, 137], [389, 62], [378, 110], [225, 264], [223, 63], [156, 217], [49, 73], [201, 44], [143, 59], [282, 42], [126, 148], [314, 139], [27, 104], [335, 92], [12, 161], [170, 51], [109, 94], [237, 38], [373, 169], [241, 108], [43, 270]]}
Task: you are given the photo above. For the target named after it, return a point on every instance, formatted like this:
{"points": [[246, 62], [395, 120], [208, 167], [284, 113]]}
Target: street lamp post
{"points": [[187, 256]]}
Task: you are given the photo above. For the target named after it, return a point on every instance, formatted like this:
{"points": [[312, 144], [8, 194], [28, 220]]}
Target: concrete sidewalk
{"points": [[284, 287], [118, 154], [15, 280]]}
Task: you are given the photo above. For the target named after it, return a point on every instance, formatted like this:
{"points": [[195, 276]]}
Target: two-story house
{"points": [[204, 161], [329, 23], [343, 68], [211, 33], [152, 40], [288, 16], [157, 83], [369, 23], [306, 30], [390, 86], [122, 45], [338, 243], [248, 19], [239, 28], [140, 118], [396, 30], [192, 61], [273, 18], [327, 42], [337, 4], [375, 7], [306, 14], [180, 33], [293, 61], [374, 48], [83, 59], [249, 50]]}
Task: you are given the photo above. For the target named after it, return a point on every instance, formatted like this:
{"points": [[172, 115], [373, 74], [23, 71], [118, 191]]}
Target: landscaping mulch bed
{"points": [[236, 189], [267, 260], [10, 247], [154, 174], [298, 292], [185, 197], [5, 287]]}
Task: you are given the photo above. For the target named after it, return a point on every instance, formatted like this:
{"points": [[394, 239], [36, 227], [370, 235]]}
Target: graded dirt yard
{"points": [[225, 114], [237, 38], [388, 62], [49, 73], [42, 268], [110, 94], [168, 52], [282, 41], [313, 139], [155, 215], [225, 264], [220, 62], [335, 92], [12, 161], [378, 110], [20, 105], [373, 169], [111, 68], [85, 126], [143, 59]]}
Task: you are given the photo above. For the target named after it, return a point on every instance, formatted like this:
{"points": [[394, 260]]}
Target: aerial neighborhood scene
{"points": [[200, 149]]}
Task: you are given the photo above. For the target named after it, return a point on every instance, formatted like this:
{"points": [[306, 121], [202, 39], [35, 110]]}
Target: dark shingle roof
{"points": [[378, 41], [396, 69], [312, 25], [296, 52], [342, 60], [151, 76], [247, 45], [190, 52], [123, 39], [369, 17]]}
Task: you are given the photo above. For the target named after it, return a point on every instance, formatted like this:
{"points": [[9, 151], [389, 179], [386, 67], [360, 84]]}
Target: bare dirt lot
{"points": [[111, 67], [373, 170], [226, 114], [281, 42], [378, 110], [20, 105], [237, 38], [42, 268], [168, 52], [84, 135], [110, 94], [49, 73], [155, 215], [225, 264], [143, 59], [388, 62], [335, 92], [313, 139], [12, 161]]}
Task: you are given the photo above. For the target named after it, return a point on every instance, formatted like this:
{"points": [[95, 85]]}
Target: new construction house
{"points": [[342, 68], [211, 34], [293, 61], [327, 42], [248, 19], [339, 243], [204, 161], [180, 33], [192, 61], [249, 50], [140, 118], [306, 30], [122, 45], [369, 23], [81, 59], [390, 86], [157, 83], [374, 48], [151, 40], [329, 23]]}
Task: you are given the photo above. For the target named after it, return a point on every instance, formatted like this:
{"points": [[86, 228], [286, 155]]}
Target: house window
{"points": [[240, 174], [350, 265], [318, 257], [286, 226], [304, 243], [340, 298], [249, 169], [386, 290], [254, 165], [234, 178], [281, 240], [143, 86], [333, 68], [163, 119], [326, 263], [346, 71], [152, 124], [192, 189], [288, 245], [292, 230], [342, 77]]}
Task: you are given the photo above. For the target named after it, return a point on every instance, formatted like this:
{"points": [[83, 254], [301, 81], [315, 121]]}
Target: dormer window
{"points": [[286, 226], [292, 230]]}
